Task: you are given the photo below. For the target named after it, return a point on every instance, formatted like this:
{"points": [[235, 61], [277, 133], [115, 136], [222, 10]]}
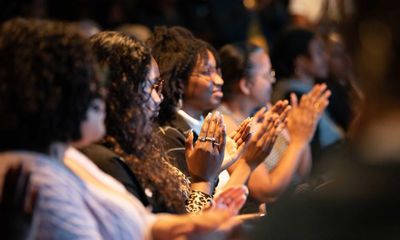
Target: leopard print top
{"points": [[196, 201]]}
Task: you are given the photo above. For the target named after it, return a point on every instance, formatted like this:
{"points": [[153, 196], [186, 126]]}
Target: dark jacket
{"points": [[113, 165], [173, 137]]}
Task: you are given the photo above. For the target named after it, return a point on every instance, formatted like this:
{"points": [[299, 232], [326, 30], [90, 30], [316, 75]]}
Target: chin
{"points": [[215, 103]]}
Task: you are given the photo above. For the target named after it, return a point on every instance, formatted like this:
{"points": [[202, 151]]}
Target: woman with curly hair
{"points": [[49, 89], [49, 82], [131, 151], [193, 87]]}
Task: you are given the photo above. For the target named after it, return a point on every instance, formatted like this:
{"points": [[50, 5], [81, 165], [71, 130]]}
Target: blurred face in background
{"points": [[317, 66], [262, 77], [204, 89]]}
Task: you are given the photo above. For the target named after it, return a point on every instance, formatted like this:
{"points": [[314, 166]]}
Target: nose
{"points": [[217, 79], [157, 97]]}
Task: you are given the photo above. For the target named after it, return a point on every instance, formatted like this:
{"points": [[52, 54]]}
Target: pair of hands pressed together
{"points": [[204, 158], [246, 149], [304, 117]]}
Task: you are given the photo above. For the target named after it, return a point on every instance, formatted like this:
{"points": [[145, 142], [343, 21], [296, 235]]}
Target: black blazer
{"points": [[113, 165], [173, 136]]}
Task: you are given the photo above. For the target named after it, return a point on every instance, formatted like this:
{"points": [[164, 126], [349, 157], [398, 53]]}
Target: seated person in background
{"points": [[363, 200], [193, 87], [248, 78], [49, 83], [49, 80], [131, 151], [299, 58]]}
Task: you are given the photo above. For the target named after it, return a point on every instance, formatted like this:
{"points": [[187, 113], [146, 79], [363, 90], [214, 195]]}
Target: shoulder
{"points": [[104, 158], [62, 204]]}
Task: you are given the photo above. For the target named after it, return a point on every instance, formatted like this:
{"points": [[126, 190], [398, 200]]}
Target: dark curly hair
{"points": [[177, 52], [48, 79], [235, 64], [129, 133]]}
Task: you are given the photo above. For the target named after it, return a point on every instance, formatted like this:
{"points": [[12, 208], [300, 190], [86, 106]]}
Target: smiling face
{"points": [[153, 88], [204, 89], [261, 77]]}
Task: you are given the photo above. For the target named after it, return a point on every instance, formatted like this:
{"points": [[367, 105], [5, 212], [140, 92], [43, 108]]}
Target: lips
{"points": [[218, 93]]}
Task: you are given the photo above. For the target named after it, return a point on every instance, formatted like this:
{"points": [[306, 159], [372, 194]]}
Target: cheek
{"points": [[94, 127], [199, 89]]}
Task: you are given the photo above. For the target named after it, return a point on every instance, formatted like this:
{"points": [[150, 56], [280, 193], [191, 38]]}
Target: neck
{"points": [[240, 106], [57, 150], [304, 78], [192, 111]]}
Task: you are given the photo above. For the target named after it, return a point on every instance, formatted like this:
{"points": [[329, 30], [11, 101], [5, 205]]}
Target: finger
{"points": [[204, 128], [284, 114], [323, 101], [243, 131], [237, 204], [225, 194], [243, 145], [189, 143], [293, 100], [282, 126], [238, 192], [280, 106], [237, 133], [264, 126], [270, 130], [259, 116], [222, 137], [213, 125], [267, 139], [266, 129], [318, 92], [325, 95], [245, 135]]}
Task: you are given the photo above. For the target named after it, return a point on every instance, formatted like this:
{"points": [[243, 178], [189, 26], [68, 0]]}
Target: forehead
{"points": [[209, 60], [260, 59]]}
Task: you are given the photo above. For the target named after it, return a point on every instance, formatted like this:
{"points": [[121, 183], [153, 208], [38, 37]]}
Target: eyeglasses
{"points": [[207, 71], [158, 85], [268, 75]]}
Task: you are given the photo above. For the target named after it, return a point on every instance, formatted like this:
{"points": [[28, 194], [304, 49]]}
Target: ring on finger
{"points": [[210, 139], [215, 144]]}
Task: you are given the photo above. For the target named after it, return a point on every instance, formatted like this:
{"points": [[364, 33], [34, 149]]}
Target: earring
{"points": [[180, 103]]}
